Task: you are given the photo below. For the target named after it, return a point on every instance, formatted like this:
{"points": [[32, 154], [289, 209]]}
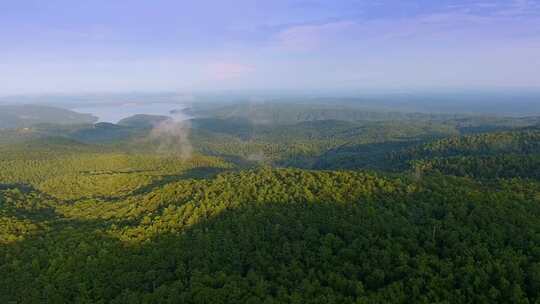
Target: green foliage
{"points": [[284, 236], [24, 116], [491, 155], [518, 142], [495, 166], [142, 121], [307, 144], [90, 214]]}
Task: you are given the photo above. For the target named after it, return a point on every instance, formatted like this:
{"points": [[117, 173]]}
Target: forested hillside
{"points": [[365, 208], [24, 116]]}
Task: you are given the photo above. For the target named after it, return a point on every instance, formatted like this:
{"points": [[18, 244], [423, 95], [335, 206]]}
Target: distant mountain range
{"points": [[22, 116]]}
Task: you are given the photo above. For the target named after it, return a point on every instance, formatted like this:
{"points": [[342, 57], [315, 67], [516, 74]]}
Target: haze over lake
{"points": [[113, 113]]}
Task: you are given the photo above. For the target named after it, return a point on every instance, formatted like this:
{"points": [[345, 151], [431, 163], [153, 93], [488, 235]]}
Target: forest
{"points": [[271, 203]]}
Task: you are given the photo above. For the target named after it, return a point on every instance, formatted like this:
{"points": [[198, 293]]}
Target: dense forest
{"points": [[21, 116], [272, 203]]}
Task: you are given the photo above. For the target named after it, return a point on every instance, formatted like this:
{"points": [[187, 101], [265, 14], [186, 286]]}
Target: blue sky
{"points": [[151, 45]]}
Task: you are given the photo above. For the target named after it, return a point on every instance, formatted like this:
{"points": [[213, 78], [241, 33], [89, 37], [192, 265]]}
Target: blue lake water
{"points": [[114, 113]]}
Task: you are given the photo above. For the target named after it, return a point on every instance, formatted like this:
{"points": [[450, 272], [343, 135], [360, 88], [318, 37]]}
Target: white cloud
{"points": [[228, 70], [310, 37]]}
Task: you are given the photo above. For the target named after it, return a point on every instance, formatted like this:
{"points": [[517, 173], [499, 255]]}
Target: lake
{"points": [[113, 113]]}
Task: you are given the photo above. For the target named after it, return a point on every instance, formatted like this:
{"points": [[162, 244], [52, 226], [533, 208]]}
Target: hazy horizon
{"points": [[500, 102]]}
